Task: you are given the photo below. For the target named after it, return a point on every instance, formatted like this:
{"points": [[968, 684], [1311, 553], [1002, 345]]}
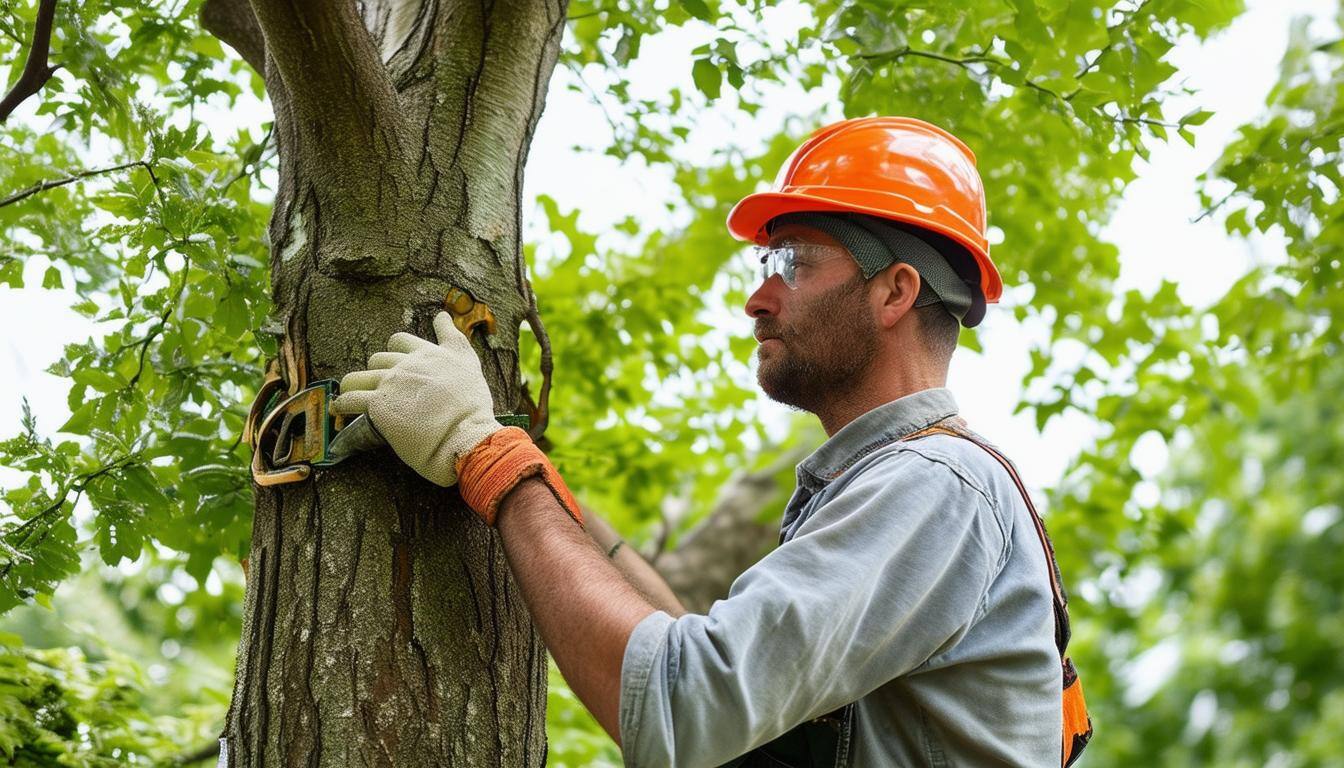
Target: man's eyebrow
{"points": [[785, 240]]}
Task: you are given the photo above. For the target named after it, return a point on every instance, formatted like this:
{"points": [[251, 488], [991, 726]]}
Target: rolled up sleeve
{"points": [[884, 576]]}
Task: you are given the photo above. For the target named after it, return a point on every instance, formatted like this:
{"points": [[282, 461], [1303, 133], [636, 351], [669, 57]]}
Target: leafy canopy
{"points": [[1059, 100]]}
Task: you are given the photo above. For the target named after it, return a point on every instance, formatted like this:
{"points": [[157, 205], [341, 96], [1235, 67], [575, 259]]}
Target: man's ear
{"points": [[897, 287]]}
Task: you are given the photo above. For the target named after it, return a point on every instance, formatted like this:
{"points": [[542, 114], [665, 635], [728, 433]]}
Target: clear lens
{"points": [[786, 260], [778, 261]]}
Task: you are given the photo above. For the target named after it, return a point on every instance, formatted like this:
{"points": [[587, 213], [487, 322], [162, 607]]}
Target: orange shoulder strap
{"points": [[1077, 723], [956, 429]]}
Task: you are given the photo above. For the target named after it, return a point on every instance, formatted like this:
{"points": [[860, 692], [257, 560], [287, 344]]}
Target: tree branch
{"points": [[965, 63], [251, 160], [201, 754], [163, 322], [36, 71], [542, 413], [344, 103], [593, 97], [77, 487], [233, 22], [1207, 212], [53, 183], [1092, 65], [1141, 121]]}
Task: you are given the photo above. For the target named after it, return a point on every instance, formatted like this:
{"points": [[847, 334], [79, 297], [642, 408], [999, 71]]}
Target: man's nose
{"points": [[764, 301]]}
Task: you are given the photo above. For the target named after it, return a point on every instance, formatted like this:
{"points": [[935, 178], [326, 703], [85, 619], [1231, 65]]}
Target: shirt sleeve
{"points": [[886, 575]]}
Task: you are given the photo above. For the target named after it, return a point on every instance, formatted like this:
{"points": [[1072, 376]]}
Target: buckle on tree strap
{"points": [[294, 435]]}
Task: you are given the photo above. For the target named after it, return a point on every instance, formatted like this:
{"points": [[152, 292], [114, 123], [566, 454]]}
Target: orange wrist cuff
{"points": [[487, 473]]}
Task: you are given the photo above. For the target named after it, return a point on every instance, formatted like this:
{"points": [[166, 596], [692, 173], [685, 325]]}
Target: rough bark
{"points": [[381, 623]]}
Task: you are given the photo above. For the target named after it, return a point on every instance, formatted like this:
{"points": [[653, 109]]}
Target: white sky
{"points": [[1152, 228]]}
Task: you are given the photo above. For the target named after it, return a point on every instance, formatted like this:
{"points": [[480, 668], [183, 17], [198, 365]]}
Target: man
{"points": [[909, 615]]}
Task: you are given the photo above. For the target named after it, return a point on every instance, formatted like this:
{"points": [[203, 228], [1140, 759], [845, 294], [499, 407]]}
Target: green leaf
{"points": [[82, 420], [1196, 117], [708, 78], [11, 271], [698, 9]]}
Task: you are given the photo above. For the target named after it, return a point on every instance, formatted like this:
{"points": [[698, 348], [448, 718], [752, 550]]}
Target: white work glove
{"points": [[430, 401]]}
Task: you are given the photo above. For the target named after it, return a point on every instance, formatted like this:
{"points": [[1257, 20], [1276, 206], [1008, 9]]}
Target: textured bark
{"points": [[381, 625]]}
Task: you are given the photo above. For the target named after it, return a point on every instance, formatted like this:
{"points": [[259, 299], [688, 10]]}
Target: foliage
{"points": [[164, 241], [1240, 532], [575, 739], [167, 254], [134, 660], [59, 707]]}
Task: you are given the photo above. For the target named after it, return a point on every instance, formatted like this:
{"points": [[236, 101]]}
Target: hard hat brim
{"points": [[748, 218]]}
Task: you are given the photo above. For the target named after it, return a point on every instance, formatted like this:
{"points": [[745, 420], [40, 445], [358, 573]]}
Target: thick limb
{"points": [[36, 71], [233, 22], [350, 124]]}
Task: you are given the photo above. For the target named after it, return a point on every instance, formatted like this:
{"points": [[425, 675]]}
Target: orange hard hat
{"points": [[896, 168]]}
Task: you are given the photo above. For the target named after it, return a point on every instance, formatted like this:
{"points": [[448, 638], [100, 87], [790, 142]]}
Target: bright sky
{"points": [[1152, 228]]}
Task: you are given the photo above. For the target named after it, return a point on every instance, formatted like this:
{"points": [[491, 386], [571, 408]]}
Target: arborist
{"points": [[912, 614]]}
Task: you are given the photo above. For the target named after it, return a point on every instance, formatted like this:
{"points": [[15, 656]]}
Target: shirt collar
{"points": [[874, 429]]}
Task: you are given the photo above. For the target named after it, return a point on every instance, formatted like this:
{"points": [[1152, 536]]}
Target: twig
{"points": [[36, 71], [964, 62], [163, 322], [53, 183], [1091, 65], [593, 97], [7, 29], [595, 12], [1142, 121], [898, 53], [659, 544], [538, 428], [78, 488], [4, 572], [253, 158], [1212, 208]]}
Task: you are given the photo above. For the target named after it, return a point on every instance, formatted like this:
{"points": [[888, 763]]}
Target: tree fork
{"points": [[381, 624]]}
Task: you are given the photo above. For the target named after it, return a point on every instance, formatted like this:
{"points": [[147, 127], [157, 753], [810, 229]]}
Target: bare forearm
{"points": [[632, 566], [583, 607]]}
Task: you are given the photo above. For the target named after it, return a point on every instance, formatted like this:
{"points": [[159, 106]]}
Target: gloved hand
{"points": [[430, 401], [432, 405]]}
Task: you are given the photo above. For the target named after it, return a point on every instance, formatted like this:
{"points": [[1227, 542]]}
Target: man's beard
{"points": [[824, 352]]}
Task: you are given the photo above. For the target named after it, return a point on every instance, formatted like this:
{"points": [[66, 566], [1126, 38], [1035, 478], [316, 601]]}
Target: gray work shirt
{"points": [[911, 581]]}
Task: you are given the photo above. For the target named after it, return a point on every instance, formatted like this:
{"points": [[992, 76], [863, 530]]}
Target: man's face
{"points": [[816, 340]]}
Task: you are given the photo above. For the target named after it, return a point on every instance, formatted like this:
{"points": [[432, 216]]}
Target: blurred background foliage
{"points": [[119, 547]]}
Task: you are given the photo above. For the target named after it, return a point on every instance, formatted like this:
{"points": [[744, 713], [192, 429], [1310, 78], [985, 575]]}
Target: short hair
{"points": [[939, 330]]}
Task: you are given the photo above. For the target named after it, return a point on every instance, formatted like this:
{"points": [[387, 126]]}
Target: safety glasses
{"points": [[789, 261]]}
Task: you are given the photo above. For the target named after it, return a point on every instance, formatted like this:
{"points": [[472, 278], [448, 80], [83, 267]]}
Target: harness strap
{"points": [[1061, 600], [1077, 730], [824, 741]]}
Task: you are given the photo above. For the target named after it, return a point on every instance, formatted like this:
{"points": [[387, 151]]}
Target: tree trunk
{"points": [[381, 625]]}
